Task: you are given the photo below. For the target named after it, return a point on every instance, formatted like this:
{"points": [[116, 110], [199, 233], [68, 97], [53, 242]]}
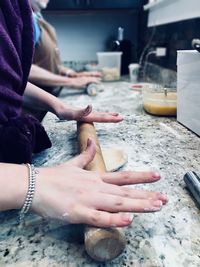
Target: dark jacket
{"points": [[20, 136]]}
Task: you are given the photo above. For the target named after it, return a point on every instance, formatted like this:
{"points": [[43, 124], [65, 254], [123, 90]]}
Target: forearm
{"points": [[40, 99], [44, 77], [13, 186]]}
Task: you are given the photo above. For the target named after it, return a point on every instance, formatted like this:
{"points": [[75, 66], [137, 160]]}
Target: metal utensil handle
{"points": [[192, 181]]}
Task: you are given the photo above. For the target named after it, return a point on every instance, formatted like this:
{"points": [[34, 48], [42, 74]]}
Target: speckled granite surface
{"points": [[169, 238]]}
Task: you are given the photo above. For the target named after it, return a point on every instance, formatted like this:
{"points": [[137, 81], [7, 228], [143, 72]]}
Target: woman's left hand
{"points": [[87, 115]]}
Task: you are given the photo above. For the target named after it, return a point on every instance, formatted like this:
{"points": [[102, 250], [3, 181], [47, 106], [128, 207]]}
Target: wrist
{"points": [[58, 108], [14, 181], [74, 82], [27, 205], [22, 184], [43, 189]]}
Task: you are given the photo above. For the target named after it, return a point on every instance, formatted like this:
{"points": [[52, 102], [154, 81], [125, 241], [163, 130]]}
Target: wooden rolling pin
{"points": [[101, 244]]}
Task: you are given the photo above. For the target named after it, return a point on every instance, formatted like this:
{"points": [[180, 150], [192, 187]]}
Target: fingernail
{"points": [[164, 198], [156, 175], [127, 217], [88, 108], [152, 209], [156, 205], [89, 141]]}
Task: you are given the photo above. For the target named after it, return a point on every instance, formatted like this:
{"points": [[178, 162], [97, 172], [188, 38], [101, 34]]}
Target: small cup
{"points": [[133, 72]]}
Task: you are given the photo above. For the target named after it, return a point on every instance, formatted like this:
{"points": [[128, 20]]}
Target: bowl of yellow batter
{"points": [[159, 100]]}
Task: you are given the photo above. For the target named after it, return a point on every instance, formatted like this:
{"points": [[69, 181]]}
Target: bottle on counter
{"points": [[125, 47]]}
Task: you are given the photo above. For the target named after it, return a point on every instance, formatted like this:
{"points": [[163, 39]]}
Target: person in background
{"points": [[52, 191], [47, 69]]}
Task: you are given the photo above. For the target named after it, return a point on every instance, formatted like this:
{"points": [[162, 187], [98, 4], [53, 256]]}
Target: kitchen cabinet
{"points": [[65, 4], [107, 4], [93, 4], [162, 11]]}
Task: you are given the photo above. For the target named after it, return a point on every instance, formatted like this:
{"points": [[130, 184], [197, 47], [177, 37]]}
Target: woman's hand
{"points": [[73, 74], [97, 74], [43, 100], [67, 71], [82, 81], [86, 115], [69, 193]]}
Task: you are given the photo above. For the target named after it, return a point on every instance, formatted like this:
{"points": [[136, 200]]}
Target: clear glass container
{"points": [[159, 100]]}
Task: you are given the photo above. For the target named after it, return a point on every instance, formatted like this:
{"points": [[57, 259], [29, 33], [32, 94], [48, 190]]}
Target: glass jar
{"points": [[159, 100]]}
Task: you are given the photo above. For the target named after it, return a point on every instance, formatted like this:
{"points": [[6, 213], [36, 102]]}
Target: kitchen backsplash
{"points": [[78, 65], [159, 74], [174, 36]]}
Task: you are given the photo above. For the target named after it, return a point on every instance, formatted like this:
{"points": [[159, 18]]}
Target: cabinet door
{"points": [[93, 4], [66, 4], [113, 4]]}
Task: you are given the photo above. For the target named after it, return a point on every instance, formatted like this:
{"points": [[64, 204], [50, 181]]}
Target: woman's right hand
{"points": [[70, 193]]}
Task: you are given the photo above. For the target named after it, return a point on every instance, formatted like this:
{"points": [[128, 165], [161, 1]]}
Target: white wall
{"points": [[81, 35]]}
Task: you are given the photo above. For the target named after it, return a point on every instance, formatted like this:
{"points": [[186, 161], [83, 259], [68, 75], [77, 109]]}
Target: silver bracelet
{"points": [[31, 191]]}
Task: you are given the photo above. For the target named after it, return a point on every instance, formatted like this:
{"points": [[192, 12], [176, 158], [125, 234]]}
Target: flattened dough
{"points": [[114, 158]]}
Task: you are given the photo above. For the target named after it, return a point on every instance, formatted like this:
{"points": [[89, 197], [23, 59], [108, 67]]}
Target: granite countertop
{"points": [[169, 238]]}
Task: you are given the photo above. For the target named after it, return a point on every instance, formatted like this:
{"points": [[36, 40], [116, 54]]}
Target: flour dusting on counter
{"points": [[169, 238]]}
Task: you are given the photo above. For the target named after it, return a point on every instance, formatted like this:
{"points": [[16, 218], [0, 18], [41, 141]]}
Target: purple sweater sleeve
{"points": [[16, 51]]}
